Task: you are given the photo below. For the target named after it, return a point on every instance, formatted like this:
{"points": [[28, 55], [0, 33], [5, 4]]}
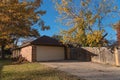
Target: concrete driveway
{"points": [[87, 70]]}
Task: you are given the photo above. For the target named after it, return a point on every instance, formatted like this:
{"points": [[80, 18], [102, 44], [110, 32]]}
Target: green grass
{"points": [[31, 71]]}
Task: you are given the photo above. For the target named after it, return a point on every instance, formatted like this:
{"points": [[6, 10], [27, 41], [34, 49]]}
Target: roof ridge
{"points": [[45, 40]]}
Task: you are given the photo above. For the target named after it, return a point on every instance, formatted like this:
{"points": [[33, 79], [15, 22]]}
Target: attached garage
{"points": [[43, 49], [49, 53]]}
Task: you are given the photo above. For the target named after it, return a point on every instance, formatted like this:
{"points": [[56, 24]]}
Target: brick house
{"points": [[42, 49]]}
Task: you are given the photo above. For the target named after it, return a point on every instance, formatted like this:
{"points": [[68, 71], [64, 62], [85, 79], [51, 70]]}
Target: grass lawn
{"points": [[31, 71]]}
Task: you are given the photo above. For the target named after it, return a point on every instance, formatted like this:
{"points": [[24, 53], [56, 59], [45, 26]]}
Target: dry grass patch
{"points": [[32, 71]]}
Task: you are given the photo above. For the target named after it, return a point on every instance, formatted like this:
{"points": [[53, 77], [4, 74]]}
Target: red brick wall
{"points": [[26, 52]]}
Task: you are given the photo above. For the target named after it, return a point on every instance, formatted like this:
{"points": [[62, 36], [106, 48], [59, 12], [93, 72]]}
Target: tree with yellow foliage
{"points": [[84, 17], [17, 18]]}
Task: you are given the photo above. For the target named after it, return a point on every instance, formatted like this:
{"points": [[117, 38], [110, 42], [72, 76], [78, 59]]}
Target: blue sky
{"points": [[50, 19], [51, 16]]}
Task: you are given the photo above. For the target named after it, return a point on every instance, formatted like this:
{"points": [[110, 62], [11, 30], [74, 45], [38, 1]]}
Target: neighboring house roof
{"points": [[44, 40]]}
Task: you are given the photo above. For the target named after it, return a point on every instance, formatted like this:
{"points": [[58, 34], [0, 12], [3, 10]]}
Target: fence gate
{"points": [[79, 54]]}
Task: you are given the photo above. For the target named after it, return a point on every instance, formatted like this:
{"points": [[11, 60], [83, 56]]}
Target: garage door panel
{"points": [[46, 53]]}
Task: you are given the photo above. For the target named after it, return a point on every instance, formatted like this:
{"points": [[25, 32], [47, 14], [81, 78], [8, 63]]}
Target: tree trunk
{"points": [[2, 52]]}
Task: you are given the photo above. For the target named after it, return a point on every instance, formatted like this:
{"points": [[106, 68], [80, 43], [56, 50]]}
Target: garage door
{"points": [[48, 53]]}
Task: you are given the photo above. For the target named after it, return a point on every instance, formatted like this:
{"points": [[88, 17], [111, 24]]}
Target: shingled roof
{"points": [[44, 40]]}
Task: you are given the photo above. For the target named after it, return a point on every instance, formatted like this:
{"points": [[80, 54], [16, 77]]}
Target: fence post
{"points": [[116, 57], [68, 53]]}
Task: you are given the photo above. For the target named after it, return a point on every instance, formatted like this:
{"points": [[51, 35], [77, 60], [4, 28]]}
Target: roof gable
{"points": [[44, 40]]}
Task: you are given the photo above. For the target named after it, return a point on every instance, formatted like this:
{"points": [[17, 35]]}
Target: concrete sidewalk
{"points": [[87, 70]]}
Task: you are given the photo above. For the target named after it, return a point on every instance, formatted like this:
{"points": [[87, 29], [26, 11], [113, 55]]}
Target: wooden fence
{"points": [[102, 55]]}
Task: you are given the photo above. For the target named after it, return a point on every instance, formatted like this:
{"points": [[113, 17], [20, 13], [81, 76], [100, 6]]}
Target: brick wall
{"points": [[26, 52]]}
